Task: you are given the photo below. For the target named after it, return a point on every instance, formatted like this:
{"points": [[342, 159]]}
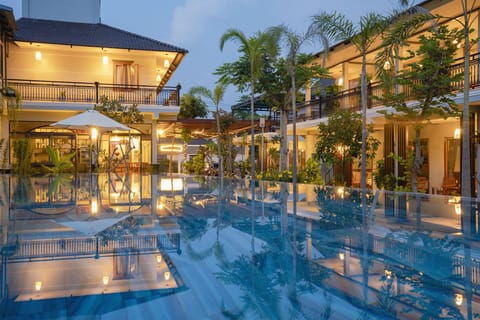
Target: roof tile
{"points": [[86, 34]]}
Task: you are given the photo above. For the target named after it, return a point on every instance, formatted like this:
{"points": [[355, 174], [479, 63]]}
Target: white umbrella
{"points": [[92, 227], [90, 119]]}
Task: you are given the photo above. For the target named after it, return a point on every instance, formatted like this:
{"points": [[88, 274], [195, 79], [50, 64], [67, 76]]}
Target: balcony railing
{"points": [[92, 246], [85, 92], [350, 99]]}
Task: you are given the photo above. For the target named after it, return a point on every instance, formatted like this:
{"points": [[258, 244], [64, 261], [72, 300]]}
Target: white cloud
{"points": [[191, 20]]}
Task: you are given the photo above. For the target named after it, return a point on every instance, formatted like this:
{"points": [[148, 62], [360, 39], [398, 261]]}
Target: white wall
{"points": [[72, 64], [87, 11]]}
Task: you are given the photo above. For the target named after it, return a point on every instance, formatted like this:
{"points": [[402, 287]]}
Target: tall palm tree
{"points": [[293, 43], [216, 96], [466, 186], [339, 28], [255, 49], [336, 26]]}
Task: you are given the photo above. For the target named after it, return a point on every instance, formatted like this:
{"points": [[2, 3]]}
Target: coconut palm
{"points": [[339, 28], [216, 96], [293, 42], [466, 187], [336, 26], [255, 49]]}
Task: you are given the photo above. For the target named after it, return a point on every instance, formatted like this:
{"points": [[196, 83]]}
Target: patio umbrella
{"points": [[90, 119], [92, 227]]}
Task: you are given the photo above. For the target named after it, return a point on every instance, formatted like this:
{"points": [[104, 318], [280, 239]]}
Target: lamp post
{"points": [[94, 137]]}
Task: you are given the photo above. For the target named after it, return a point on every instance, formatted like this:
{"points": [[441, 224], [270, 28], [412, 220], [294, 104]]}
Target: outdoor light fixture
{"points": [[171, 148], [38, 55], [458, 299], [105, 279], [94, 134], [105, 59], [340, 81], [387, 66], [166, 63], [38, 285], [160, 206], [160, 132], [388, 274], [166, 275], [458, 208], [341, 256], [158, 77], [94, 207], [456, 133], [341, 192], [159, 258]]}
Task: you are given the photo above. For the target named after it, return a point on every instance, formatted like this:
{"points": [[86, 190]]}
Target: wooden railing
{"points": [[350, 99], [92, 246], [85, 92]]}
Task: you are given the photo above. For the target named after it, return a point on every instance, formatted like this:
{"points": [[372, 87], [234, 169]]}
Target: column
{"points": [[154, 159]]}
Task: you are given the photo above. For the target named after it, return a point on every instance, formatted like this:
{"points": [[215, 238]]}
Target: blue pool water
{"points": [[116, 246]]}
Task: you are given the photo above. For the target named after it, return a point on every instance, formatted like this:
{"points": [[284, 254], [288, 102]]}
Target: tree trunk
{"points": [[466, 187], [252, 134], [284, 140], [417, 160], [363, 169], [219, 146]]}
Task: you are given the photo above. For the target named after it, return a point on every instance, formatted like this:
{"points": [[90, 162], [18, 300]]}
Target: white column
{"points": [[154, 159]]}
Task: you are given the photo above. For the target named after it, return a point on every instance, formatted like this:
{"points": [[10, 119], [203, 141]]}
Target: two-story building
{"points": [[63, 61], [441, 143]]}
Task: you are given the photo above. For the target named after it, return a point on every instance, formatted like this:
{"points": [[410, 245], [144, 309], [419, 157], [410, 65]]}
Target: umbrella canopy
{"points": [[90, 119], [92, 227]]}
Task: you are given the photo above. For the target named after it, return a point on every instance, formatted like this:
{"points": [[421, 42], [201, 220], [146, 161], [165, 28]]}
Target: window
{"points": [[125, 264], [125, 73]]}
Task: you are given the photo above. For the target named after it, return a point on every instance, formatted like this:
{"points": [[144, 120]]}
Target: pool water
{"points": [[134, 246]]}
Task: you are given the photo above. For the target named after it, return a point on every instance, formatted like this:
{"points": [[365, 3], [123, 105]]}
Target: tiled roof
{"points": [[7, 21], [86, 34]]}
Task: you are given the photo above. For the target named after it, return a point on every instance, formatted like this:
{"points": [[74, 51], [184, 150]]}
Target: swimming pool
{"points": [[137, 246]]}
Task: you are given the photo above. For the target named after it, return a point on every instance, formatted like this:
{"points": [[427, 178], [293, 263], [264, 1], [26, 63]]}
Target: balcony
{"points": [[350, 99], [85, 92]]}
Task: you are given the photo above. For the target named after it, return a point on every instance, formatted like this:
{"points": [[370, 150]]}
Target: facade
{"points": [[441, 143], [63, 61]]}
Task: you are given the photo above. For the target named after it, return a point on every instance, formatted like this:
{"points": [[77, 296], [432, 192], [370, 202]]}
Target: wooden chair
{"points": [[449, 185]]}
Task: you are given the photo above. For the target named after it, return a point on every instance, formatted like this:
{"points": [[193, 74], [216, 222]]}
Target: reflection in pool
{"points": [[147, 246]]}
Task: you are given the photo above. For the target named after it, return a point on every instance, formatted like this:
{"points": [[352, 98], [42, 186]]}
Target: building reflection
{"points": [[114, 234], [83, 235]]}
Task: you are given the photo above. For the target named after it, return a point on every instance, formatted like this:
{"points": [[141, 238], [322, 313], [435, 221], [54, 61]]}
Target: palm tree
{"points": [[466, 186], [336, 26], [255, 49], [216, 96], [293, 41]]}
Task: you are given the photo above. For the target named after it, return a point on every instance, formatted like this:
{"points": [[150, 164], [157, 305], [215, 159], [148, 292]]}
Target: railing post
{"points": [[96, 92], [178, 93]]}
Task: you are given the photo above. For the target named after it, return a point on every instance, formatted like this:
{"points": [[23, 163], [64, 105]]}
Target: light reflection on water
{"points": [[182, 247]]}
